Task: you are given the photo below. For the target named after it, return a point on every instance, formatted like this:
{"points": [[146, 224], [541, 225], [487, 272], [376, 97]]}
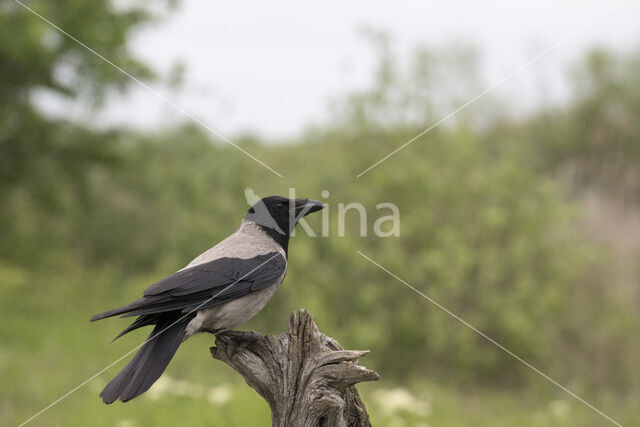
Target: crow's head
{"points": [[281, 214]]}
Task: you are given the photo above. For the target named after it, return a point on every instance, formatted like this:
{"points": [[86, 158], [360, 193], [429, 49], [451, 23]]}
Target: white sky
{"points": [[269, 67]]}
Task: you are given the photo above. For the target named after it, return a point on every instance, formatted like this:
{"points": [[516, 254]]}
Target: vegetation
{"points": [[493, 227]]}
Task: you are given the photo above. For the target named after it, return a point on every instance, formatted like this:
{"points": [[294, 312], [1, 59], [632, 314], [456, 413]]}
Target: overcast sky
{"points": [[269, 67]]}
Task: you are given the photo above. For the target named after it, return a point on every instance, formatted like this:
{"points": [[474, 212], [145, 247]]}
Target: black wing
{"points": [[206, 285]]}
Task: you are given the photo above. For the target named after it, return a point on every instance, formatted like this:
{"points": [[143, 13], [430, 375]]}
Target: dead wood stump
{"points": [[307, 378]]}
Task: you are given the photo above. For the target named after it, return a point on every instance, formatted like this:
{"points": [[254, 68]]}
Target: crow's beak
{"points": [[307, 206]]}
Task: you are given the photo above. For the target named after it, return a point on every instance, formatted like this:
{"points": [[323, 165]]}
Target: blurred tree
{"points": [[45, 160], [595, 139], [413, 93]]}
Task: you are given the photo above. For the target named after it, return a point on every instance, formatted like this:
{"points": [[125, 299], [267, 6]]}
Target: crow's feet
{"points": [[240, 339]]}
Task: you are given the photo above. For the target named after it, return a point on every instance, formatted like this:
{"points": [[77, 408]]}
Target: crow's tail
{"points": [[150, 361]]}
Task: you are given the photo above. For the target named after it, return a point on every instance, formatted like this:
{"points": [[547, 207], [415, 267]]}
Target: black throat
{"points": [[281, 239]]}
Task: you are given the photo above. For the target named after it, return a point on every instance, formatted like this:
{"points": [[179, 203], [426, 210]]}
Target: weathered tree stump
{"points": [[307, 378]]}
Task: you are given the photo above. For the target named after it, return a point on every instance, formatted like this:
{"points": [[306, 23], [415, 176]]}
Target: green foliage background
{"points": [[492, 227]]}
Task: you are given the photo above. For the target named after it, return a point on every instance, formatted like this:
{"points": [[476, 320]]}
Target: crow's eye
{"points": [[279, 206]]}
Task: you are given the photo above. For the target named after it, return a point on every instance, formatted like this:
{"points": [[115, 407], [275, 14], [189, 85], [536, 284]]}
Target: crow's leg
{"points": [[240, 339]]}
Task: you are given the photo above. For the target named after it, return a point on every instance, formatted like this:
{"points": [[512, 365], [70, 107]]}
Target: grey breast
{"points": [[247, 242]]}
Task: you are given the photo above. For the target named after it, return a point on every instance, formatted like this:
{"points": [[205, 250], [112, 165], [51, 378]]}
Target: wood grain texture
{"points": [[307, 378]]}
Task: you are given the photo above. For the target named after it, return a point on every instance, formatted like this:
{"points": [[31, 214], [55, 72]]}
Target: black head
{"points": [[278, 216]]}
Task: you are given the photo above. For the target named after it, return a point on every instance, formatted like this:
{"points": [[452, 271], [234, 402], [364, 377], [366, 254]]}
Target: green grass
{"points": [[49, 347]]}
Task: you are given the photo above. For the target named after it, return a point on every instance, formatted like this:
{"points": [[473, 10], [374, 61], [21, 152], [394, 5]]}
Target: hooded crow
{"points": [[216, 292]]}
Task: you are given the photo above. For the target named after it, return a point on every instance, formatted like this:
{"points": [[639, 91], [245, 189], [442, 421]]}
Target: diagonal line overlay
{"points": [[64, 396], [497, 84], [151, 90], [501, 347]]}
